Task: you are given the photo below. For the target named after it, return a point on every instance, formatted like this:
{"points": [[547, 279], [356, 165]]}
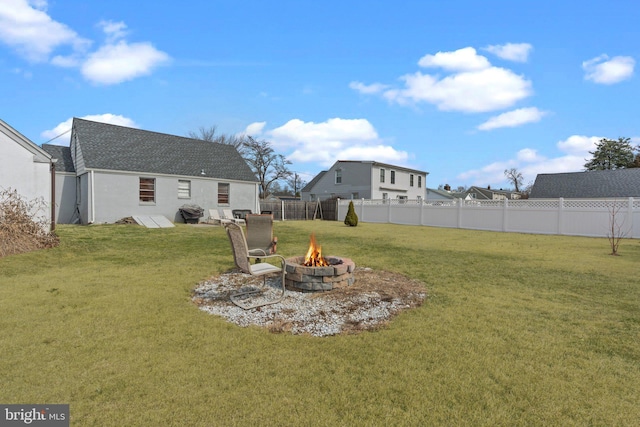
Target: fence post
{"points": [[459, 222], [421, 211], [630, 216], [282, 207], [505, 215], [560, 215], [389, 211], [362, 209]]}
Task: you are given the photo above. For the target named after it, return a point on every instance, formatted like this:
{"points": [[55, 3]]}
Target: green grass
{"points": [[517, 330]]}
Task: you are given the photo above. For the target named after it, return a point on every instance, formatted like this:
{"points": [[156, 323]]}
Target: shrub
{"points": [[351, 219], [23, 227]]}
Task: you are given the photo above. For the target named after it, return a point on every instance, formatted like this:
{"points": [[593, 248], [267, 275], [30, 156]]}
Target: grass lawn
{"points": [[517, 330]]}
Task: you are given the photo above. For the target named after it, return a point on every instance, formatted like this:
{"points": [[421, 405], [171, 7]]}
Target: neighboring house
{"points": [[27, 169], [587, 185], [480, 193], [434, 194], [355, 179], [119, 172]]}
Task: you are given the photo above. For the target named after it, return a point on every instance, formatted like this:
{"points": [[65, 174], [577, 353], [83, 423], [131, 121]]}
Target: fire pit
{"points": [[314, 272]]}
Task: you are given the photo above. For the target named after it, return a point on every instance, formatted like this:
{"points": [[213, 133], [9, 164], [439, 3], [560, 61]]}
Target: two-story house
{"points": [[360, 179]]}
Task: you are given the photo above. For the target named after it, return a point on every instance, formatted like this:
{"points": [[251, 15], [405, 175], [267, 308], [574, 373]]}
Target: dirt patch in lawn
{"points": [[370, 303]]}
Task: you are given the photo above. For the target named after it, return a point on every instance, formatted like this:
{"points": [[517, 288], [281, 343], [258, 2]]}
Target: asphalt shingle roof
{"points": [[591, 184], [313, 182], [63, 155], [112, 147]]}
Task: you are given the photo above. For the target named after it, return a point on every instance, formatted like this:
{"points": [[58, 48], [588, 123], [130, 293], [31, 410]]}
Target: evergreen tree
{"points": [[351, 219], [610, 154]]}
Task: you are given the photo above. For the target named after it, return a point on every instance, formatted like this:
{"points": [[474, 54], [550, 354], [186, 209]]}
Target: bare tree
{"points": [[209, 134], [616, 231], [265, 163], [295, 183], [514, 177]]}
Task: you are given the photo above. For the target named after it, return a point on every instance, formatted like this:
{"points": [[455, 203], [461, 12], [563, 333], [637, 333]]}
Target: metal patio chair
{"points": [[260, 239], [242, 259]]}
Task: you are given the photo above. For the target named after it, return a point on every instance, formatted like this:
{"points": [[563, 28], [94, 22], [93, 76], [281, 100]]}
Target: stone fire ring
{"points": [[339, 274]]}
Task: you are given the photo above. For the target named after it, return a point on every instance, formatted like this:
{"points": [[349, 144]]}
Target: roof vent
{"points": [[202, 172]]}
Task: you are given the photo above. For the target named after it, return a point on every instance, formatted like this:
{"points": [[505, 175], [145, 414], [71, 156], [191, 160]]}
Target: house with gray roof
{"points": [[587, 185], [111, 172], [26, 169], [366, 179]]}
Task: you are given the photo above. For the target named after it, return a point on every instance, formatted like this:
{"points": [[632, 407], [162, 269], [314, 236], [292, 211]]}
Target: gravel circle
{"points": [[371, 302]]}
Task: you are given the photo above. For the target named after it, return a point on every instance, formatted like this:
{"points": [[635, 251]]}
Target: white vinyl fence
{"points": [[575, 217]]}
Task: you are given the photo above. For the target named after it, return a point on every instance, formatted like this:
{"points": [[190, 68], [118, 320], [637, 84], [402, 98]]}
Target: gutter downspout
{"points": [[52, 169], [92, 198]]}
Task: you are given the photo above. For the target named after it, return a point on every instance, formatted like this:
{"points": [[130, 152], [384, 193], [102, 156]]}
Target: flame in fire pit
{"points": [[314, 256]]}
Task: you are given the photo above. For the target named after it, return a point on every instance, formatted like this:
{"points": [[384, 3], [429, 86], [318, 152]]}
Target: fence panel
{"points": [[578, 217], [300, 210]]}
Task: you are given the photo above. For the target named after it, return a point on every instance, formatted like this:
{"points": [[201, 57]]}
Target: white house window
{"points": [[184, 189], [411, 180], [223, 193], [381, 175], [147, 190], [419, 181], [393, 177], [355, 195], [339, 176], [385, 196]]}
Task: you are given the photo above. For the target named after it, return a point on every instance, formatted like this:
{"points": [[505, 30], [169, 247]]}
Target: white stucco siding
{"points": [[65, 198], [116, 196], [25, 170]]}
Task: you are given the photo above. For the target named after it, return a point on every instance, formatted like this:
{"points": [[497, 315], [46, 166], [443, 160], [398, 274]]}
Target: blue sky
{"points": [[460, 89]]}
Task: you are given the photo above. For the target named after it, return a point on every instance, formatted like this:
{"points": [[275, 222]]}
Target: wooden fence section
{"points": [[574, 217], [300, 210]]}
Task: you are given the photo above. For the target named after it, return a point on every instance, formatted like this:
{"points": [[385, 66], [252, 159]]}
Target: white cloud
{"points": [[513, 118], [484, 90], [116, 63], [473, 85], [32, 33], [368, 89], [254, 128], [28, 29], [518, 52], [335, 139], [528, 155], [62, 131], [579, 144], [573, 154], [113, 30], [465, 59], [607, 71]]}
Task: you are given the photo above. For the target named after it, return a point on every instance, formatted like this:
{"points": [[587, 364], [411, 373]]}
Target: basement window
{"points": [[223, 193], [147, 190]]}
